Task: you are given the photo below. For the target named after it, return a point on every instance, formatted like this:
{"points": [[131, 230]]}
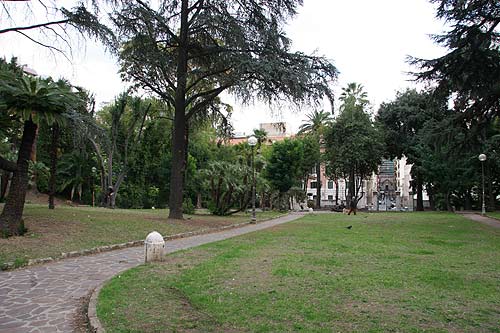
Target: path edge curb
{"points": [[93, 320], [8, 266], [493, 217]]}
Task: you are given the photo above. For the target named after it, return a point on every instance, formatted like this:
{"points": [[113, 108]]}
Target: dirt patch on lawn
{"points": [[57, 230], [170, 310], [33, 197], [43, 233], [209, 222], [197, 222]]}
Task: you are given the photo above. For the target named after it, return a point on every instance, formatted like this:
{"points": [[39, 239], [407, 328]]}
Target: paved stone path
{"points": [[46, 298], [482, 219]]}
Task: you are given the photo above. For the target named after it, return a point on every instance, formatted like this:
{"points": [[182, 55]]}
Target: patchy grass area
{"points": [[66, 229], [393, 272], [494, 214]]}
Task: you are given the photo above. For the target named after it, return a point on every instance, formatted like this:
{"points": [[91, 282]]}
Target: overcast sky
{"points": [[367, 40]]}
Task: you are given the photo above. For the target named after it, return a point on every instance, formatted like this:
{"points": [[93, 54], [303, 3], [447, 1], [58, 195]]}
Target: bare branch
{"points": [[45, 45], [58, 35], [7, 165], [142, 123], [207, 75], [35, 26], [209, 98], [215, 91]]}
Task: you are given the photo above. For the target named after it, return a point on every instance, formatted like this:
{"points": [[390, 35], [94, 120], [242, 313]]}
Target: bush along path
{"points": [[48, 298]]}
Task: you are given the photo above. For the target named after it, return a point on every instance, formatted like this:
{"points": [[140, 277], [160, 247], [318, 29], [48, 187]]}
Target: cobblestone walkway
{"points": [[482, 219], [46, 298]]}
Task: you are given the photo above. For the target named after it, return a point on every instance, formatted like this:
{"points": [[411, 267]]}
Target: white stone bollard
{"points": [[311, 210], [154, 247]]}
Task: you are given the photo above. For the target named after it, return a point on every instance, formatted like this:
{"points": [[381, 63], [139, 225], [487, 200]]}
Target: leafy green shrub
{"points": [[130, 196], [229, 185], [187, 206], [39, 176], [151, 197]]}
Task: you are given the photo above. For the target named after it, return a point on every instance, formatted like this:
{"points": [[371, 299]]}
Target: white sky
{"points": [[367, 40]]}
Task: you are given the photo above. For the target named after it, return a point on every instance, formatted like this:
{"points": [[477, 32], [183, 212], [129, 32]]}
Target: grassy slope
{"points": [[65, 229], [432, 272]]}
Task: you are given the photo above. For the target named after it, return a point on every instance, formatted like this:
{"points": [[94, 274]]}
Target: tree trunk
{"points": [[110, 189], [186, 153], [432, 201], [198, 201], [490, 205], [467, 200], [112, 200], [34, 148], [420, 197], [318, 185], [53, 165], [104, 188], [179, 143], [352, 187], [4, 184], [11, 218], [336, 192], [102, 171], [116, 188], [447, 202]]}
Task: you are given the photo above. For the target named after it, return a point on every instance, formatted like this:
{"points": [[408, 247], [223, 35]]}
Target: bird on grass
{"points": [[349, 227]]}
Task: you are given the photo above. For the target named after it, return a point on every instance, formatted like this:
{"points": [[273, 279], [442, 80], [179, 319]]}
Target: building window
{"points": [[309, 194], [330, 184], [330, 197], [314, 184]]}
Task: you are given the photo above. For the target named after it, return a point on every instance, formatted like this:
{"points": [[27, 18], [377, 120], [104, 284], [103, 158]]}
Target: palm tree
{"points": [[32, 100], [261, 135], [354, 100], [229, 186], [353, 96], [315, 125], [316, 122], [70, 168]]}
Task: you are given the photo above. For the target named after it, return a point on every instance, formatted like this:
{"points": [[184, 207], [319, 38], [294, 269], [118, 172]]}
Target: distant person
{"points": [[352, 206], [109, 194]]}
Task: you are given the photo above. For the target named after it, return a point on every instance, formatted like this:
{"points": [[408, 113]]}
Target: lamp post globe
{"points": [[482, 158], [252, 141]]}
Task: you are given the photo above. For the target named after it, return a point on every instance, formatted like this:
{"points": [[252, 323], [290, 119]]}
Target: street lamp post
{"points": [[93, 189], [252, 141], [482, 158]]}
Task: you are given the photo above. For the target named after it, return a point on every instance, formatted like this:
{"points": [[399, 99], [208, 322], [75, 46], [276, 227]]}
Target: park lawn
{"points": [[392, 272], [67, 228], [494, 214]]}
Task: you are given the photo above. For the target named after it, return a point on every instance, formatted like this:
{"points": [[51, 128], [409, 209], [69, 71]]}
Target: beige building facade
{"points": [[388, 189]]}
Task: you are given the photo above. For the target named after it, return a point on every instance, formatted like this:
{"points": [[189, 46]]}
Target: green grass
{"points": [[494, 214], [413, 272], [67, 228]]}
